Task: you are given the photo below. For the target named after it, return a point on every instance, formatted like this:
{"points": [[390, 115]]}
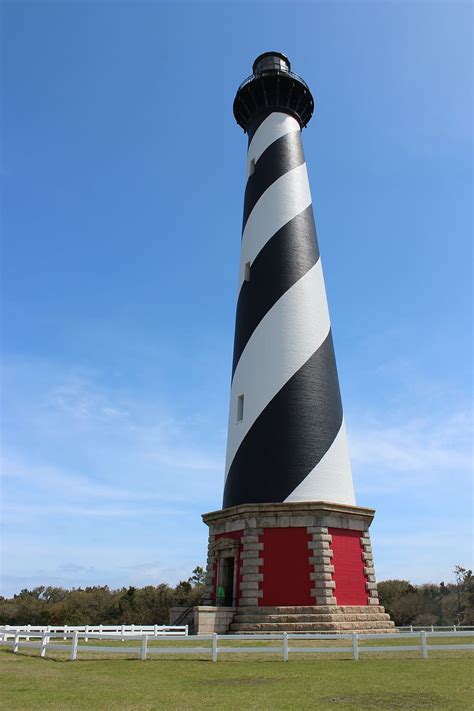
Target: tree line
{"points": [[430, 604], [95, 605], [407, 604]]}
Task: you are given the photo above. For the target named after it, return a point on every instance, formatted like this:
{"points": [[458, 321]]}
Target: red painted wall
{"points": [[286, 567], [348, 567], [237, 535]]}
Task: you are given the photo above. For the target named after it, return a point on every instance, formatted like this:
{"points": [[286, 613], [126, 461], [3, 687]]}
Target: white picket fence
{"points": [[434, 628], [122, 631], [278, 643]]}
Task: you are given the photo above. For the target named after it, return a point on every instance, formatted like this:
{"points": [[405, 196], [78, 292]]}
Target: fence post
{"points": [[454, 628], [75, 636], [214, 647], [86, 638], [16, 642], [100, 631], [424, 646], [411, 628], [44, 642], [355, 646], [186, 632], [28, 628], [285, 646], [123, 633], [65, 632], [144, 646], [156, 631]]}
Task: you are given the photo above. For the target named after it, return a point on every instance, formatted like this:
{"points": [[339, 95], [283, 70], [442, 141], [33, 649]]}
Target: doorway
{"points": [[227, 568]]}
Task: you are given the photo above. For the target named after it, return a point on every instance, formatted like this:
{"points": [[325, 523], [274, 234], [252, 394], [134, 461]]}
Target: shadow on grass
{"points": [[387, 700], [98, 660]]}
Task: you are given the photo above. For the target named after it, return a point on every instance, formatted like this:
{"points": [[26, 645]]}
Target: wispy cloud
{"points": [[420, 450], [97, 479], [70, 434], [70, 486], [27, 511]]}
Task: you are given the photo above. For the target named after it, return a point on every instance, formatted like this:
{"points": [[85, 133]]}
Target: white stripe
{"points": [[274, 127], [285, 338], [331, 478], [281, 202]]}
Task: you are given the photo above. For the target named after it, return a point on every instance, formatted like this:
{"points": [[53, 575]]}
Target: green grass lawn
{"points": [[236, 682]]}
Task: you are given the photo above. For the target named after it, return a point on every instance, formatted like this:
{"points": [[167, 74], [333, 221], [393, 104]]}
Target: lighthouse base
{"points": [[303, 566], [335, 619]]}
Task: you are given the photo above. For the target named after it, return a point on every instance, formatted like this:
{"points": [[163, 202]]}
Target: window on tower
{"points": [[240, 408], [252, 167], [247, 271]]}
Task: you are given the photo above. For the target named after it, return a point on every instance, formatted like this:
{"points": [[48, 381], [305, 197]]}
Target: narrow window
{"points": [[240, 408], [252, 167], [247, 271]]}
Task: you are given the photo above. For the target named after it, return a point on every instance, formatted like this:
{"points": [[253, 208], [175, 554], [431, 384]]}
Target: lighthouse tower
{"points": [[289, 550]]}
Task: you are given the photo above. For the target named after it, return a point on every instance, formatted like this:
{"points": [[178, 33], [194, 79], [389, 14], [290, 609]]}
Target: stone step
{"points": [[310, 627], [310, 617], [310, 609]]}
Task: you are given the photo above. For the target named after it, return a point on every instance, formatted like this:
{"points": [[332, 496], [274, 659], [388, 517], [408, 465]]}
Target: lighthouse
{"points": [[290, 549]]}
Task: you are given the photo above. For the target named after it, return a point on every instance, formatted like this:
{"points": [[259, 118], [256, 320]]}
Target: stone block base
{"points": [[338, 619], [209, 619]]}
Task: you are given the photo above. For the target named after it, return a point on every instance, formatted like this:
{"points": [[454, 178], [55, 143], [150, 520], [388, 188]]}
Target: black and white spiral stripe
{"points": [[289, 443]]}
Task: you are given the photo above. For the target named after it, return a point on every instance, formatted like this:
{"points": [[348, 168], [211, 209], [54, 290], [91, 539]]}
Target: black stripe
{"points": [[290, 436], [282, 155], [284, 259], [258, 120]]}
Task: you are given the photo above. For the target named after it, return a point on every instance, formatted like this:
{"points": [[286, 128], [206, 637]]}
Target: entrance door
{"points": [[227, 580]]}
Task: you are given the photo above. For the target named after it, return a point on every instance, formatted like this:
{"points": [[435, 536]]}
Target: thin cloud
{"points": [[70, 434], [71, 486], [415, 445], [406, 456]]}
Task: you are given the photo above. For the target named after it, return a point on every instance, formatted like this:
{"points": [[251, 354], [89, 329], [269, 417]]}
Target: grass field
{"points": [[236, 682]]}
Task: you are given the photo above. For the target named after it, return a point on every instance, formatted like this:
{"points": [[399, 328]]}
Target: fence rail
{"points": [[176, 629], [122, 631], [434, 628], [278, 643]]}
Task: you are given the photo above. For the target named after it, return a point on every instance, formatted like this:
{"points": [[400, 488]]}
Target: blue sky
{"points": [[124, 171]]}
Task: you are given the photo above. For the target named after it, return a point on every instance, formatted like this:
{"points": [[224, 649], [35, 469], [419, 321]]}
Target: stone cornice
{"points": [[303, 507]]}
